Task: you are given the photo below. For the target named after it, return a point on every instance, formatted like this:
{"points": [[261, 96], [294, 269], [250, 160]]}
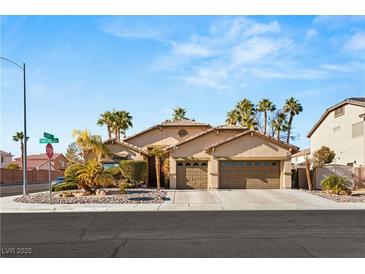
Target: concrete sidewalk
{"points": [[186, 200]]}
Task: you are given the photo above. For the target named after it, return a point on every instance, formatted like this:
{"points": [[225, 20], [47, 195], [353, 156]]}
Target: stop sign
{"points": [[49, 151]]}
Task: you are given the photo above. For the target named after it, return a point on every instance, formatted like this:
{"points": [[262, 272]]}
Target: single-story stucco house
{"points": [[206, 157]]}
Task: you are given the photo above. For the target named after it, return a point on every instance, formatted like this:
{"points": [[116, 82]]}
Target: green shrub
{"points": [[134, 171], [13, 166], [122, 190], [126, 184], [65, 186], [71, 173], [336, 185]]}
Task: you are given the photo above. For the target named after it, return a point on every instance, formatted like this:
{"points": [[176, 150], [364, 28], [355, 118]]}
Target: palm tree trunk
{"points": [[86, 188], [289, 127], [278, 135], [109, 132], [265, 122], [22, 152], [158, 168]]}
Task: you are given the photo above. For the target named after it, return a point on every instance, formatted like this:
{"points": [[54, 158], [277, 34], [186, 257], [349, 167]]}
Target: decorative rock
{"points": [[133, 196]]}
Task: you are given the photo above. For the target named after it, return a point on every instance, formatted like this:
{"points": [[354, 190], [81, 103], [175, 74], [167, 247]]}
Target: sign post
{"points": [[49, 139], [49, 152]]}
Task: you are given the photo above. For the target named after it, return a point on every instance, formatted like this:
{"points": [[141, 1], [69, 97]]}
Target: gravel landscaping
{"points": [[134, 196], [354, 198]]}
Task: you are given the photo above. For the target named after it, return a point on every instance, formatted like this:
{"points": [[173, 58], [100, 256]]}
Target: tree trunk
{"points": [[265, 122], [109, 132], [289, 128], [86, 188], [116, 133], [22, 152], [158, 169], [278, 135], [308, 173]]}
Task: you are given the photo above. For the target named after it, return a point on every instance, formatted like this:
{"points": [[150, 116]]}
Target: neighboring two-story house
{"points": [[6, 158], [342, 129]]}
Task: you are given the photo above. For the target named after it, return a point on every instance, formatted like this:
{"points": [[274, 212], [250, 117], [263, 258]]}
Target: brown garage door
{"points": [[191, 175], [249, 174]]}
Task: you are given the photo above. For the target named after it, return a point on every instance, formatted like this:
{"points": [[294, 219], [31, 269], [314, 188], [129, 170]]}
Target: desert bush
{"points": [[13, 166], [134, 171], [334, 184], [122, 190], [125, 184], [71, 173], [65, 186]]}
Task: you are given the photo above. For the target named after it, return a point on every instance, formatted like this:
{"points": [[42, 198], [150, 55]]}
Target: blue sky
{"points": [[80, 66]]}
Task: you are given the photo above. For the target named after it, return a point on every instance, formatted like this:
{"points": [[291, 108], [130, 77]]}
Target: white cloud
{"points": [[256, 49], [311, 33], [191, 50], [356, 42]]}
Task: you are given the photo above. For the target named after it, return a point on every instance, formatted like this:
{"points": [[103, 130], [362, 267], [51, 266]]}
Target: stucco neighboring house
{"points": [[298, 159], [40, 161], [6, 158], [342, 129], [206, 157]]}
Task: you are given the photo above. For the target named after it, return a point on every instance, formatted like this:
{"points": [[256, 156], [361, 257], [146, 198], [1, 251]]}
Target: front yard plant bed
{"points": [[133, 196], [354, 198]]}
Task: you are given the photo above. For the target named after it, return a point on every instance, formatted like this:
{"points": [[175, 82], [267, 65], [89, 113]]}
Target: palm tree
{"points": [[244, 114], [107, 119], [293, 107], [279, 124], [89, 144], [264, 106], [232, 117], [122, 121], [92, 175], [19, 137], [179, 114], [159, 156]]}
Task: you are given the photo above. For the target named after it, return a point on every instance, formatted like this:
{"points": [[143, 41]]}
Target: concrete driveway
{"points": [[186, 200], [251, 199]]}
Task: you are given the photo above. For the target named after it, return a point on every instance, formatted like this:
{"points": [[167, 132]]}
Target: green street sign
{"points": [[48, 141], [48, 135]]}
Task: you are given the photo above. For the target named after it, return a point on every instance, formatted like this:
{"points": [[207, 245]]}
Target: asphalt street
{"points": [[185, 234], [10, 190]]}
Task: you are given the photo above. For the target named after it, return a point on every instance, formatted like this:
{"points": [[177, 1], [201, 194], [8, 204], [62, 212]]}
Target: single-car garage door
{"points": [[249, 174], [191, 174]]}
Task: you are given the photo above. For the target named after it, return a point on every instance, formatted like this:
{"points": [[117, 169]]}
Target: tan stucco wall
{"points": [[116, 148], [169, 134], [195, 148], [243, 148], [347, 149], [251, 147], [172, 173]]}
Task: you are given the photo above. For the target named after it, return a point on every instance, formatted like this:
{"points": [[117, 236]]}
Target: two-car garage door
{"points": [[232, 174], [249, 174]]}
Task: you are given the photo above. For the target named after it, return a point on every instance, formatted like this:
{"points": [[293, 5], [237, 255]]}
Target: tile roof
{"points": [[169, 123], [33, 164], [2, 152], [253, 132], [222, 127], [133, 147], [303, 152], [42, 156]]}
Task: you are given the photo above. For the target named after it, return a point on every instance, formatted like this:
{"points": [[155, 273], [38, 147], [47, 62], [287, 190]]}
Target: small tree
{"points": [[160, 155], [13, 166], [73, 153], [323, 156], [92, 175]]}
